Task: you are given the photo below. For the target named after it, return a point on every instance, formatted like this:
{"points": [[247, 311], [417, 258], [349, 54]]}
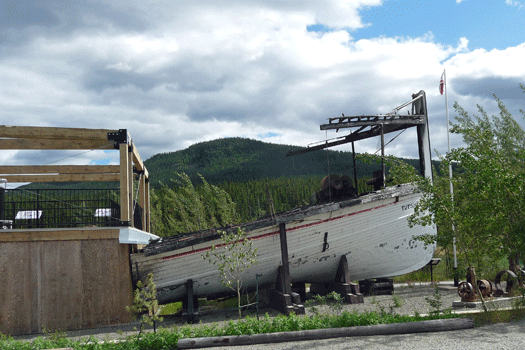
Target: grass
{"points": [[225, 303], [168, 338], [442, 272], [171, 309], [498, 316], [397, 300]]}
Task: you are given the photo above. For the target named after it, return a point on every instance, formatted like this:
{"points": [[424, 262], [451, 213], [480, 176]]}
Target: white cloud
{"points": [[460, 1], [495, 63], [514, 3], [197, 71]]}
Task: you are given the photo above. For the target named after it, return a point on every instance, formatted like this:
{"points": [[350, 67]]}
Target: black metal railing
{"points": [[53, 208]]}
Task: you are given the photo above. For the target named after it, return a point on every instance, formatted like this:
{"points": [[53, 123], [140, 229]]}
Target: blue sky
{"points": [[488, 24], [175, 73]]}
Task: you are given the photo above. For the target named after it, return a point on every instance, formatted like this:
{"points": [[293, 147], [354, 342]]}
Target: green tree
{"points": [[488, 206], [233, 257], [186, 208], [145, 303]]}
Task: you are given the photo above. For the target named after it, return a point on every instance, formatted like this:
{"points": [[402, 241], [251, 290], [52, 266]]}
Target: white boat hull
{"points": [[372, 232]]}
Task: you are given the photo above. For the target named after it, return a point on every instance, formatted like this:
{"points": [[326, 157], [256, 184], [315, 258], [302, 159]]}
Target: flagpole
{"points": [[456, 281]]}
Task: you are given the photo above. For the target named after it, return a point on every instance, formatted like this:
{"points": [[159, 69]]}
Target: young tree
{"points": [[488, 210], [233, 257], [145, 303]]}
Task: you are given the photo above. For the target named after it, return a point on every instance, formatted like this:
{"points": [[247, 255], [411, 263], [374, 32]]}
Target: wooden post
{"points": [[282, 297], [130, 187], [287, 288], [2, 199], [425, 156], [124, 183], [341, 285], [383, 168], [190, 304], [147, 221], [143, 201]]}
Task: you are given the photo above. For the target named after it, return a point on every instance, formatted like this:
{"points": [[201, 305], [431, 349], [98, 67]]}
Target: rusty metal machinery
{"points": [[511, 282], [466, 291], [486, 289]]}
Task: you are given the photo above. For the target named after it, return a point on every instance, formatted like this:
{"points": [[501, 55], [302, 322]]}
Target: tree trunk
{"points": [[514, 263]]}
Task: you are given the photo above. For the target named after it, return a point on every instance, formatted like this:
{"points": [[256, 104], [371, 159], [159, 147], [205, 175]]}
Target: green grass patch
{"points": [[170, 309], [498, 316], [167, 338]]}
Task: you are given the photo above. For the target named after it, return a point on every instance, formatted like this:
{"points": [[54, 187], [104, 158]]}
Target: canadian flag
{"points": [[442, 83]]}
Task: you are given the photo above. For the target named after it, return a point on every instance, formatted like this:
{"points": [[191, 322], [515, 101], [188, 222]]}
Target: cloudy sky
{"points": [[175, 73]]}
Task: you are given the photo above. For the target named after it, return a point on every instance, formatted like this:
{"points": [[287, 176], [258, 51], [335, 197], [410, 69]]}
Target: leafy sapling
{"points": [[145, 303], [233, 257]]}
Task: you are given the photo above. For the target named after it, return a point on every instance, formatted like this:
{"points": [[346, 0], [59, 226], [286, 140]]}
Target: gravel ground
{"points": [[412, 300], [508, 336], [410, 297]]}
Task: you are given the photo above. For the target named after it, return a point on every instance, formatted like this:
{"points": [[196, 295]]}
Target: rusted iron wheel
{"points": [[485, 287], [465, 290], [511, 279]]}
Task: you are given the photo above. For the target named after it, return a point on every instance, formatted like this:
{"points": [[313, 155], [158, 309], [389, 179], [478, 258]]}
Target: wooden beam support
{"points": [[287, 288], [62, 178], [283, 299], [43, 138], [136, 158], [130, 186], [59, 169], [190, 304], [143, 202], [36, 132], [406, 121], [147, 208], [42, 144], [341, 285], [58, 234], [125, 178]]}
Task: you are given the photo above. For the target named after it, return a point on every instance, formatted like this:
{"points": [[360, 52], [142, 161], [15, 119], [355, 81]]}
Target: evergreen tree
{"points": [[185, 208]]}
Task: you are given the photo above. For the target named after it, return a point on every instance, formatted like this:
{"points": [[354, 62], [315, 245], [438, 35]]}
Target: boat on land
{"points": [[370, 229]]}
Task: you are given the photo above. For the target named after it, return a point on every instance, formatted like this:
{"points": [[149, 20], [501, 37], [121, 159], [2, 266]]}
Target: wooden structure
{"points": [[71, 278]]}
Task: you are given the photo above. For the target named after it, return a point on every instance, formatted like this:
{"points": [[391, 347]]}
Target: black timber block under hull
{"points": [[380, 286]]}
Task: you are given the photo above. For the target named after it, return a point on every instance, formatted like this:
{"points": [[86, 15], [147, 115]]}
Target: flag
{"points": [[442, 84]]}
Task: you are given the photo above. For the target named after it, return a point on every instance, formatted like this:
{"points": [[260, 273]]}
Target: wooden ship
{"points": [[345, 237]]}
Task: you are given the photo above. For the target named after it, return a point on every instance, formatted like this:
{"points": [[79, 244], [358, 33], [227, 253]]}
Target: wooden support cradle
{"points": [[341, 284], [282, 298]]}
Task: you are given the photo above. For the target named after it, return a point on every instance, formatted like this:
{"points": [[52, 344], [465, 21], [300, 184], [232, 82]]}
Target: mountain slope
{"points": [[241, 159]]}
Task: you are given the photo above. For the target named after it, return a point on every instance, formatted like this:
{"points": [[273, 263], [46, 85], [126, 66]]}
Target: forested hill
{"points": [[241, 159], [238, 160]]}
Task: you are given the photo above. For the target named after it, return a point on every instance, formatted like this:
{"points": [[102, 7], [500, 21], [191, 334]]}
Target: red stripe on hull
{"points": [[277, 232]]}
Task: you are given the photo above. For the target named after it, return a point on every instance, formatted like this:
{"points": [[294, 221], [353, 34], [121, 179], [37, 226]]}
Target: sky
{"points": [[175, 73]]}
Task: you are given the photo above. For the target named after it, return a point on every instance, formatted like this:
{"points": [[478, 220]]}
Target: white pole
{"points": [[456, 282]]}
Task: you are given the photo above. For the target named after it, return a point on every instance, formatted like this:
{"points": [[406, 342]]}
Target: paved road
{"points": [[493, 337]]}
